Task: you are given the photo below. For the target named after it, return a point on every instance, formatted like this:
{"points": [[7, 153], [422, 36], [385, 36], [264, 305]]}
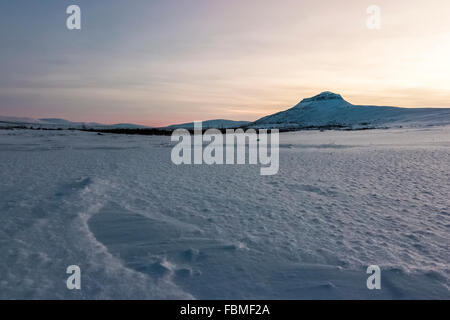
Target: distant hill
{"points": [[212, 124], [57, 123]]}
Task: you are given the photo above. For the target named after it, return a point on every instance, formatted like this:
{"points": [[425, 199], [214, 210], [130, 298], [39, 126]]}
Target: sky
{"points": [[159, 62]]}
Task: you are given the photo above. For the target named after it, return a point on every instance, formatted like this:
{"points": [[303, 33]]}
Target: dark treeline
{"points": [[140, 131], [168, 132]]}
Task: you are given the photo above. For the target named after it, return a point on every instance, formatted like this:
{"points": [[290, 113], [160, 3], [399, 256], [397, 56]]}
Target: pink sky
{"points": [[239, 60]]}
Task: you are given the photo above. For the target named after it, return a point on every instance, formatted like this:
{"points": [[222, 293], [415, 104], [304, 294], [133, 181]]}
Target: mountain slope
{"points": [[329, 108]]}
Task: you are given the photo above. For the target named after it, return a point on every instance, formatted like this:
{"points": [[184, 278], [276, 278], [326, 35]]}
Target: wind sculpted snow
{"points": [[141, 227]]}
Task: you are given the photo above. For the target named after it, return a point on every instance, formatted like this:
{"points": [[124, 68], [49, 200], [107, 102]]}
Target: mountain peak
{"points": [[326, 95]]}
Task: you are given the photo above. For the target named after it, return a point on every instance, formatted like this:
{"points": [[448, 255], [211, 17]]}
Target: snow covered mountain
{"points": [[56, 123], [324, 110], [216, 124], [330, 109]]}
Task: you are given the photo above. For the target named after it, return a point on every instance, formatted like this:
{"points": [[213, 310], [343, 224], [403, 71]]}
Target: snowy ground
{"points": [[141, 227]]}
